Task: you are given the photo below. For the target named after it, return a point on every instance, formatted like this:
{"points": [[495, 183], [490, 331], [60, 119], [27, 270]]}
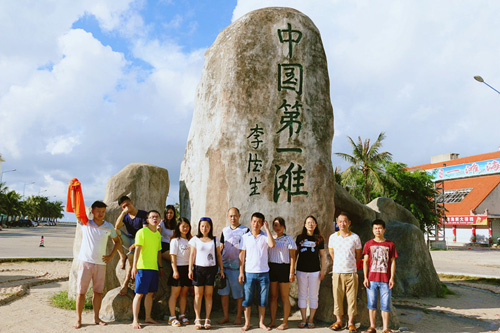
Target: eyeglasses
{"points": [[206, 219]]}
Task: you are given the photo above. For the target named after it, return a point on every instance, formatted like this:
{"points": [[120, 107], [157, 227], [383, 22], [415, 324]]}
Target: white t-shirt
{"points": [[206, 255], [344, 252], [180, 248], [280, 254], [94, 241], [166, 233], [256, 256]]}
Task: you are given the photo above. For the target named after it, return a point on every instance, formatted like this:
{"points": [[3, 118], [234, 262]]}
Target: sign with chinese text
{"points": [[465, 170], [466, 220]]}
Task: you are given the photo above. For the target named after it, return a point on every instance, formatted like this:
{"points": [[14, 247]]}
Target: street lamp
{"points": [[24, 188], [480, 79], [1, 175]]}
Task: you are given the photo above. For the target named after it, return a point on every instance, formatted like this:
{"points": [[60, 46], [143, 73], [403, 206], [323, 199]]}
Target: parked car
{"points": [[22, 223], [48, 223], [35, 223]]}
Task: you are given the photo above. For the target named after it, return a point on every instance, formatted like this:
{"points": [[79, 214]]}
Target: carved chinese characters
{"points": [[262, 127]]}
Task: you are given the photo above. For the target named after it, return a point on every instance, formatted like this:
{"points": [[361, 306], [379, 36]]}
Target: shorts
{"points": [[259, 281], [88, 271], [183, 280], [146, 281], [127, 241], [232, 284], [279, 272], [385, 296], [165, 247], [204, 276]]}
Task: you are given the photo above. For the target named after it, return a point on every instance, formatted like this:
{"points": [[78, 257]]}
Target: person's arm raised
{"points": [[270, 239]]}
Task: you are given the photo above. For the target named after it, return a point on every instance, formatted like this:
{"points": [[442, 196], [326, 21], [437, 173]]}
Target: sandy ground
{"points": [[473, 308], [26, 289]]}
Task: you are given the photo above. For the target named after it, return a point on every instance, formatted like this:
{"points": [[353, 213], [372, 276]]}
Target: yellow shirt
{"points": [[151, 244]]}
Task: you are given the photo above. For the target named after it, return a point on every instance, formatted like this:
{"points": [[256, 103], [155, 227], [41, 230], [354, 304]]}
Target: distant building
{"points": [[471, 195]]}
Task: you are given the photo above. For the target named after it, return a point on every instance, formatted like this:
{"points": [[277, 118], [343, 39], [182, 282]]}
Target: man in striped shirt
{"points": [[230, 248]]}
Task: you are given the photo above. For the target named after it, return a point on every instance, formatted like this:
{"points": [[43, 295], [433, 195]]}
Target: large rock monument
{"points": [[262, 127]]}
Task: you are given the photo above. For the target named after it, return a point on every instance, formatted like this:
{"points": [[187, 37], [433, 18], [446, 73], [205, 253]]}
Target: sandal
{"points": [[386, 331], [336, 326], [302, 324], [197, 324], [352, 328], [371, 330], [184, 320], [174, 322], [311, 325], [208, 324]]}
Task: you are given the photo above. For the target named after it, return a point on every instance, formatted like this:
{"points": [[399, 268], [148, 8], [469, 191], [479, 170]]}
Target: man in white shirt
{"points": [[93, 260], [230, 240], [345, 249], [254, 267]]}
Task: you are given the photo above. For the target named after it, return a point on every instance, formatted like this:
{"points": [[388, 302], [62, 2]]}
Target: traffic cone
{"points": [[41, 242]]}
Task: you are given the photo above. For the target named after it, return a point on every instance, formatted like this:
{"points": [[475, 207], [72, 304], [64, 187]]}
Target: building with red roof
{"points": [[470, 192]]}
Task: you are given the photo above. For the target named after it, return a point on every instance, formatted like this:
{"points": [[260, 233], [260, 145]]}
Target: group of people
{"points": [[253, 262]]}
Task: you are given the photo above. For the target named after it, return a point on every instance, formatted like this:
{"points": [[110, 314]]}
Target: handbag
{"points": [[219, 282]]}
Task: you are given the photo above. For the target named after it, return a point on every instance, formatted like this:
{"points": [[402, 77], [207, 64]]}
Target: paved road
{"points": [[24, 242], [483, 262]]}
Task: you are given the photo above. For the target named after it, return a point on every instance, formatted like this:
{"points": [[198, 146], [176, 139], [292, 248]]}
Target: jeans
{"points": [[261, 282], [385, 296]]}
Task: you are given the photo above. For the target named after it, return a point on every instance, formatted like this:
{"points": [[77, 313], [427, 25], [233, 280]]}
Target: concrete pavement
{"points": [[483, 262], [24, 242]]}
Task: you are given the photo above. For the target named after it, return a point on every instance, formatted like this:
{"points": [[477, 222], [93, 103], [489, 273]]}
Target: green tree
{"points": [[366, 160], [414, 191], [11, 204]]}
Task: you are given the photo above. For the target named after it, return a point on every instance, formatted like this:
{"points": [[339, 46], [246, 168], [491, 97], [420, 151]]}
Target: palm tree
{"points": [[367, 160]]}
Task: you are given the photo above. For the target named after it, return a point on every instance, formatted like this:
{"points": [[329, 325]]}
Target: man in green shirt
{"points": [[147, 260]]}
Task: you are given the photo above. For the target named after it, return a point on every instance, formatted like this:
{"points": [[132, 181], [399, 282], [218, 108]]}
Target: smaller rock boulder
{"points": [[116, 307]]}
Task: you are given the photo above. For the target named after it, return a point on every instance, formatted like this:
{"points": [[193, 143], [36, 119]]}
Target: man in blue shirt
{"points": [[133, 219]]}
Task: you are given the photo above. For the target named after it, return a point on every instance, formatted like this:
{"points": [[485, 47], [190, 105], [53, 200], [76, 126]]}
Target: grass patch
{"points": [[472, 279], [445, 291], [62, 301]]}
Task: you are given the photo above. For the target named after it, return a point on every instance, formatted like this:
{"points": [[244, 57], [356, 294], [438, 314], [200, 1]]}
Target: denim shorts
{"points": [[232, 284], [259, 281], [127, 241], [385, 296]]}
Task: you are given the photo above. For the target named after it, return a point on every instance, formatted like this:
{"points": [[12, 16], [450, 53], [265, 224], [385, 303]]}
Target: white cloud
{"points": [[62, 144]]}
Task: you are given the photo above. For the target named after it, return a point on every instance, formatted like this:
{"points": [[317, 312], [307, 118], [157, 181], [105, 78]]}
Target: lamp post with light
{"points": [[24, 187], [480, 79], [1, 175]]}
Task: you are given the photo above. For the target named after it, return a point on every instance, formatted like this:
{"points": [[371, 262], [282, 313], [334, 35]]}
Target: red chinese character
{"points": [[492, 166]]}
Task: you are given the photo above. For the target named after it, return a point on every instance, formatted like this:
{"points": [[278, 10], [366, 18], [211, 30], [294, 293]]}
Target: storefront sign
{"points": [[466, 220], [465, 170]]}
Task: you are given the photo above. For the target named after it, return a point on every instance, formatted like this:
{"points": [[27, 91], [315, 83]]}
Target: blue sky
{"points": [[88, 87]]}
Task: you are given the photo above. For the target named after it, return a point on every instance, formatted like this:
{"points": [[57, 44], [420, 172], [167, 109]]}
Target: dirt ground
{"points": [[473, 308]]}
